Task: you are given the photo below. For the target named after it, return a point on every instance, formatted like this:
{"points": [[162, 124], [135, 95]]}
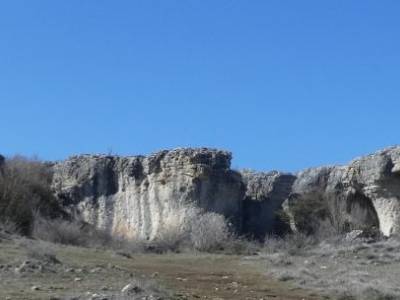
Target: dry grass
{"points": [[358, 269], [185, 276], [65, 232], [186, 230]]}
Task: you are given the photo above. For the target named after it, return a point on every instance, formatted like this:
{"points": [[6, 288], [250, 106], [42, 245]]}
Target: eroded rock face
{"points": [[366, 192], [265, 193], [133, 196]]}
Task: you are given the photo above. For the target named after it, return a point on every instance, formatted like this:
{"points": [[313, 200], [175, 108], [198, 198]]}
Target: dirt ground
{"points": [[38, 270], [217, 277]]}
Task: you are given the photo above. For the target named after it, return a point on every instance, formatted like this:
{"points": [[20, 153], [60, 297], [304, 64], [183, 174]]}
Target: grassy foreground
{"points": [[32, 269]]}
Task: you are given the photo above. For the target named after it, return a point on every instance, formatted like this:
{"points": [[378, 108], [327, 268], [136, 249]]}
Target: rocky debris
{"points": [[96, 270], [138, 289], [96, 296], [363, 194], [131, 289], [29, 266], [354, 235], [69, 270], [5, 267]]}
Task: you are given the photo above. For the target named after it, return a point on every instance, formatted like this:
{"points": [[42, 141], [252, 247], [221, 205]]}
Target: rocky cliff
{"points": [[134, 196], [364, 193], [262, 204]]}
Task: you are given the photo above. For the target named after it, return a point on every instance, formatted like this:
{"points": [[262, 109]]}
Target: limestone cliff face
{"points": [[365, 192], [133, 196], [265, 193]]}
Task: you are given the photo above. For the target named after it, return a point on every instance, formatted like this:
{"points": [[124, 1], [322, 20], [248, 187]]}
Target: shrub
{"points": [[41, 251], [187, 227], [9, 227], [307, 213], [66, 232], [237, 245], [209, 232], [332, 215], [24, 188], [293, 244], [58, 231]]}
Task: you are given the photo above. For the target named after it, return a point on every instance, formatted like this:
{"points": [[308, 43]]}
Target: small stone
{"points": [[181, 279], [95, 270], [130, 289], [77, 279], [69, 270], [98, 297], [35, 288], [234, 284], [354, 235]]}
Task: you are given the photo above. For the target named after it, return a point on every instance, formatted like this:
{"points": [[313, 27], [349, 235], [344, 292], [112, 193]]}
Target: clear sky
{"points": [[282, 84]]}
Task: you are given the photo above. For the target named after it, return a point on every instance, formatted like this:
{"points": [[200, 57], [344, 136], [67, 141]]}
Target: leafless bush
{"points": [[292, 244], [25, 187], [58, 231], [332, 215], [237, 245], [41, 251], [9, 227], [190, 228], [69, 233], [209, 232]]}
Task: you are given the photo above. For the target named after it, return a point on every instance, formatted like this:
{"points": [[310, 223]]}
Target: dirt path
{"points": [[216, 277], [82, 272]]}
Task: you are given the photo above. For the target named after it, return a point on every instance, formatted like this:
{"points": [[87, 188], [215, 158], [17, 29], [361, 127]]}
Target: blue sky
{"points": [[282, 84]]}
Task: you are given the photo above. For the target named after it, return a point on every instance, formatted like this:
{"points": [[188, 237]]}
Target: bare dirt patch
{"points": [[33, 269]]}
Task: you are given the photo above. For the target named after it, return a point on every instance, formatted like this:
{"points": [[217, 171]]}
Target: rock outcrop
{"points": [[365, 193], [134, 196], [262, 205]]}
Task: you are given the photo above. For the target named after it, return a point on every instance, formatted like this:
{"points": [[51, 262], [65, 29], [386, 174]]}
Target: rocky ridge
{"points": [[136, 196], [366, 192]]}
